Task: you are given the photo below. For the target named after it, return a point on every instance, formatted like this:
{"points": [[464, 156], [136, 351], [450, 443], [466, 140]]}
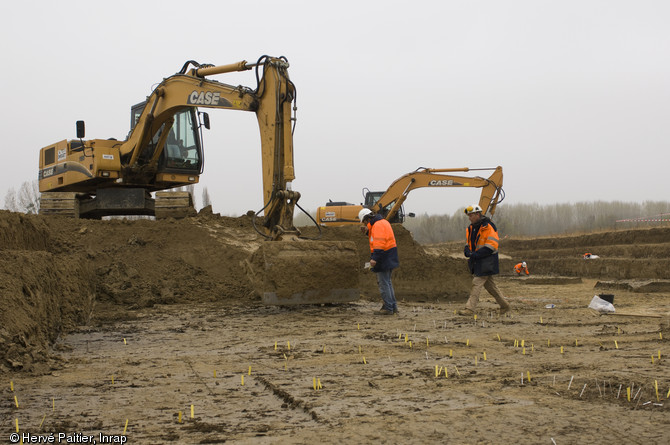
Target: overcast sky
{"points": [[571, 98]]}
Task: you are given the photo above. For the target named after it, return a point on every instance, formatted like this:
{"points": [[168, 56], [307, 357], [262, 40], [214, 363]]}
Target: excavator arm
{"points": [[397, 192], [272, 103]]}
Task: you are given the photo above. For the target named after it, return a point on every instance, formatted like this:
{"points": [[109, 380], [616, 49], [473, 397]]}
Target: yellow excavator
{"points": [[389, 203], [101, 177]]}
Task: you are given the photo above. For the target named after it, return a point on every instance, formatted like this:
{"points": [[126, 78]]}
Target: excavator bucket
{"points": [[305, 272]]}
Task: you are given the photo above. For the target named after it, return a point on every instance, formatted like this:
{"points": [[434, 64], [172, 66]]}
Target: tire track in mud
{"points": [[291, 401]]}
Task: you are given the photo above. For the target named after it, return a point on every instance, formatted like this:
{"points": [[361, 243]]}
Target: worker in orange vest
{"points": [[383, 256], [521, 267], [481, 249]]}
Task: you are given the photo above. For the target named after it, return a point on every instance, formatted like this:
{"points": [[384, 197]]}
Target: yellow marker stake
{"points": [[359, 326], [410, 343], [16, 401], [17, 425], [215, 373], [318, 384], [399, 335], [467, 342], [179, 417], [484, 356], [652, 362], [548, 343], [275, 345], [365, 362], [658, 399], [242, 380], [528, 374], [406, 338], [451, 353], [285, 358], [359, 349], [314, 383], [457, 370], [288, 344], [426, 342], [524, 351], [659, 354], [660, 335], [576, 344], [616, 345], [324, 349], [498, 337], [446, 374], [523, 343], [11, 385], [192, 411], [540, 320], [628, 393], [532, 347], [124, 341], [668, 396], [561, 349], [436, 370], [125, 427], [45, 416], [112, 380], [475, 317], [249, 370]]}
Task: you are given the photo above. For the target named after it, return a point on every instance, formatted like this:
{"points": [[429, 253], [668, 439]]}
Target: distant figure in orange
{"points": [[590, 256], [521, 268]]}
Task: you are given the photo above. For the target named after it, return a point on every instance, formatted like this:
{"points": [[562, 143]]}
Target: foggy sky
{"points": [[572, 98]]}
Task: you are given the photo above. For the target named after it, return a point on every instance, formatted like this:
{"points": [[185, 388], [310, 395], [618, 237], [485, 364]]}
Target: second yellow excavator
{"points": [[389, 203], [101, 177]]}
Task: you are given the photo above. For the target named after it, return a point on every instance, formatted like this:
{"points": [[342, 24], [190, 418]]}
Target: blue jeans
{"points": [[386, 289]]}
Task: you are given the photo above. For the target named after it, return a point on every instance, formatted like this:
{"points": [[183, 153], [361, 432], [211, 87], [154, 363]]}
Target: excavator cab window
{"points": [[182, 147], [371, 199]]}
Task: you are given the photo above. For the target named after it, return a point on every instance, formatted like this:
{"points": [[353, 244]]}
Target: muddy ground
{"points": [[114, 325]]}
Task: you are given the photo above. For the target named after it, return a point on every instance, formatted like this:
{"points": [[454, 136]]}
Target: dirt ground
{"points": [[153, 328]]}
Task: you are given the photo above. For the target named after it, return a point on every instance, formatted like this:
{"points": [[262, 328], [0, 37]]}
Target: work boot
{"points": [[504, 310], [383, 311], [466, 311]]}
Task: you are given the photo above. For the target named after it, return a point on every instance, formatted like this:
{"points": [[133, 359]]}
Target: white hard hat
{"points": [[363, 213], [472, 209], [523, 264]]}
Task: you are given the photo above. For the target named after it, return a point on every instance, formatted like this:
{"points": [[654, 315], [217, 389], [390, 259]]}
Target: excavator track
{"points": [[59, 203], [174, 205]]}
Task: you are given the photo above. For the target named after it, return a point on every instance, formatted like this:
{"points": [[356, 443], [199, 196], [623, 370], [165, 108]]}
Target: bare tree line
{"points": [[534, 219]]}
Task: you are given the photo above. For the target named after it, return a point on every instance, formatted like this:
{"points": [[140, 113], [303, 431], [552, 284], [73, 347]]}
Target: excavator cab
{"points": [[371, 199], [182, 151]]}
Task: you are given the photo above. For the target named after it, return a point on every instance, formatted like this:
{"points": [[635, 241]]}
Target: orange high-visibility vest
{"points": [[381, 236]]}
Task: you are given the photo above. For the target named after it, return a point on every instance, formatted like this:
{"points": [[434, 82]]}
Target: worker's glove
{"points": [[466, 251]]}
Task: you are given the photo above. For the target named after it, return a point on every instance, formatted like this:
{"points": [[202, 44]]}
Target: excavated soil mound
{"points": [[59, 272]]}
